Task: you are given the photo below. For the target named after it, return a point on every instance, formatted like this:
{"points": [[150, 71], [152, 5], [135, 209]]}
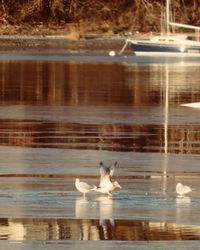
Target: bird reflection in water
{"points": [[84, 210], [183, 200], [101, 208], [106, 218], [182, 203]]}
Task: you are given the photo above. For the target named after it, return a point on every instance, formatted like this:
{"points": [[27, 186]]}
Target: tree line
{"points": [[138, 14]]}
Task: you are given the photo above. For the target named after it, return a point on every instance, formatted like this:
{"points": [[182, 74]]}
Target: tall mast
{"points": [[167, 16]]}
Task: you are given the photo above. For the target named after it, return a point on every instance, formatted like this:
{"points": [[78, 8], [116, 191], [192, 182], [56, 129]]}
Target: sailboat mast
{"points": [[167, 16]]}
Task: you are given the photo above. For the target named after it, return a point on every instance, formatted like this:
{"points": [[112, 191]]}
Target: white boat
{"points": [[167, 43]]}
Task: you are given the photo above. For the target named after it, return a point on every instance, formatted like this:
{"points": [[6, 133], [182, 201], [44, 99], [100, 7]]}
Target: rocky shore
{"points": [[24, 42]]}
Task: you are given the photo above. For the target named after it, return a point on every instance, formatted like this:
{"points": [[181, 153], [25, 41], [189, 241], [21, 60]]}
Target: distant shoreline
{"points": [[24, 42]]}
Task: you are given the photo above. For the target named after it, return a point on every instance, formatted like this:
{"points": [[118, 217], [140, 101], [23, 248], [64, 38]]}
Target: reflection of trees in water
{"points": [[62, 83], [56, 83], [90, 229], [114, 137], [93, 84]]}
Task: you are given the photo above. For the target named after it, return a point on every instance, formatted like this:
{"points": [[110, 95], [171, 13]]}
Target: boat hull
{"points": [[159, 48]]}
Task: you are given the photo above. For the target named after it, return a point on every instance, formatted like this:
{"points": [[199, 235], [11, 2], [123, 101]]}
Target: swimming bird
{"points": [[84, 187], [182, 190]]}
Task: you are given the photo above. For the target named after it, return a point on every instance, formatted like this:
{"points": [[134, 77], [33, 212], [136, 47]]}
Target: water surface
{"points": [[60, 118]]}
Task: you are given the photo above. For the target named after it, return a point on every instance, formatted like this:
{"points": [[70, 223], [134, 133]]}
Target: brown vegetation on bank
{"points": [[80, 17]]}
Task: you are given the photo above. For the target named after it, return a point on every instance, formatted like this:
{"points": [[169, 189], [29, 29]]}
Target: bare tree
{"points": [[4, 12]]}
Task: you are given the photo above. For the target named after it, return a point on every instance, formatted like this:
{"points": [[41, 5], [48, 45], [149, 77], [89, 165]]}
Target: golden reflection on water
{"points": [[91, 229], [59, 83]]}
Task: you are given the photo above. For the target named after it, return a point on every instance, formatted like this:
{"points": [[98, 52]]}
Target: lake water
{"points": [[59, 117]]}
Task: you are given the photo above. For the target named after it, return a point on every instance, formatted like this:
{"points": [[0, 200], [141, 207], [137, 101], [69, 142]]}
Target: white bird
{"points": [[182, 190], [105, 174], [108, 187], [112, 53], [84, 187]]}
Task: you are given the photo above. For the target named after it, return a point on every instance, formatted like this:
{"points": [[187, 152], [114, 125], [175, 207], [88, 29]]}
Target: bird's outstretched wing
{"points": [[102, 169], [87, 186], [112, 168], [107, 170]]}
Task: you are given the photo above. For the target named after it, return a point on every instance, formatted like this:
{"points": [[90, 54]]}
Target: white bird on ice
{"points": [[84, 187], [106, 185], [182, 190]]}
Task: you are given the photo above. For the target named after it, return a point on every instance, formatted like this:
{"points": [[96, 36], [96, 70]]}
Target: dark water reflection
{"points": [[56, 83], [117, 137], [103, 106]]}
